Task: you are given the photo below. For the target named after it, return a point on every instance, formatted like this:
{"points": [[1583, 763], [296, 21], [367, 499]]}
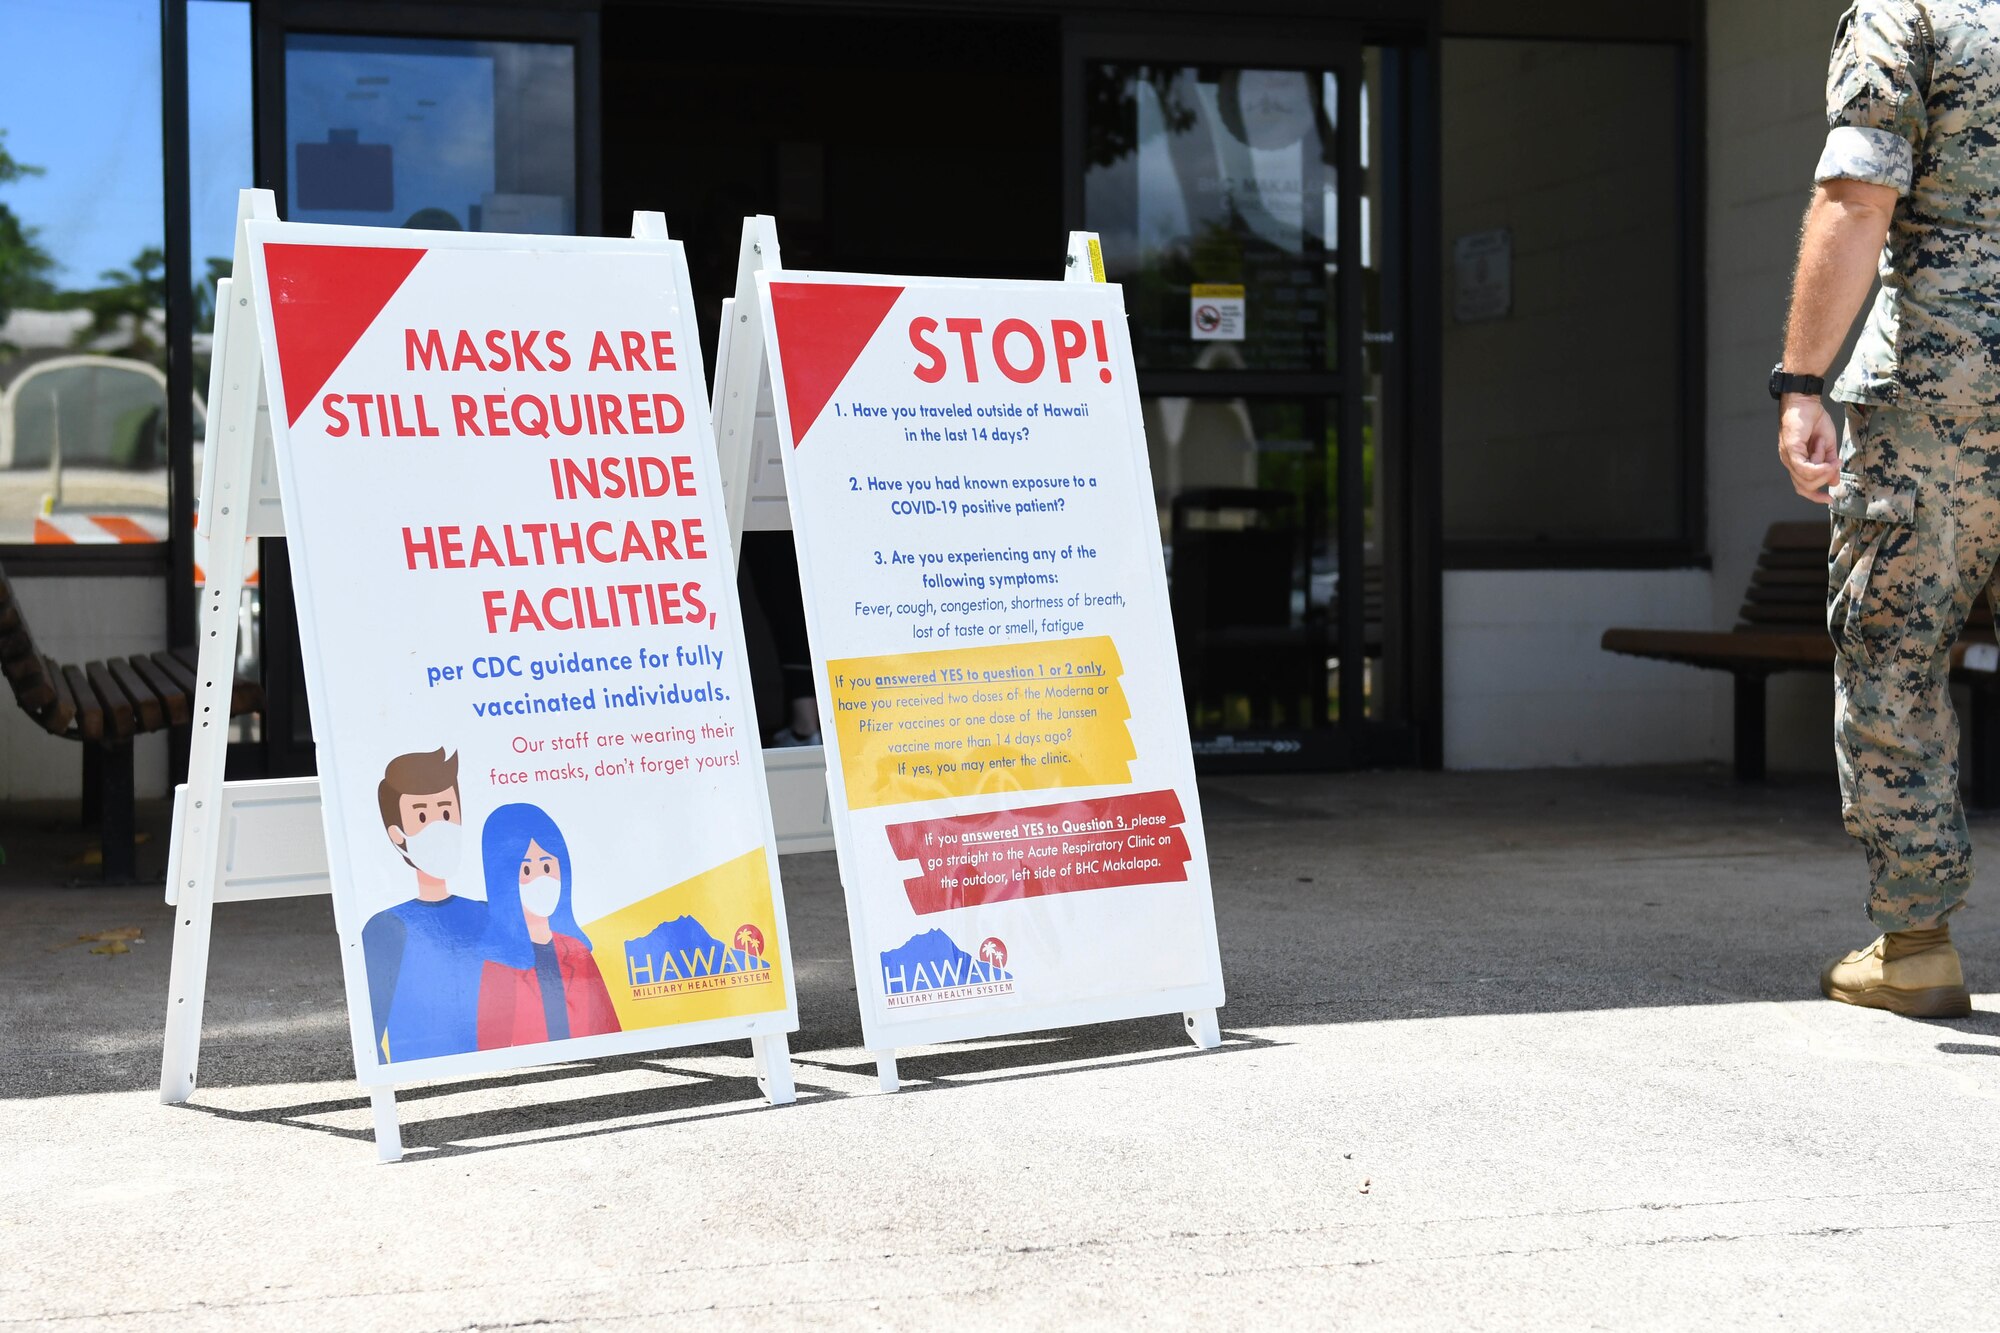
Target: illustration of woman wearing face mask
{"points": [[540, 982]]}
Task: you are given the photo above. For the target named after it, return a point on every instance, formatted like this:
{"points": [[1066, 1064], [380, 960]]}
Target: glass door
{"points": [[424, 117], [1246, 206]]}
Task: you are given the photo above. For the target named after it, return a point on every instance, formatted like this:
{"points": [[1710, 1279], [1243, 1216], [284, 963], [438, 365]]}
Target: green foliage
{"points": [[1111, 117], [204, 291], [24, 265], [122, 307], [10, 170]]}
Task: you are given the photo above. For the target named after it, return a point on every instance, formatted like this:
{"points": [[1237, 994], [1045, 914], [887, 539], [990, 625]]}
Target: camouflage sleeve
{"points": [[1874, 101]]}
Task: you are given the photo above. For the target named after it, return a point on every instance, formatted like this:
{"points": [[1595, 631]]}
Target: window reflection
{"points": [[443, 135], [1213, 191], [82, 294], [1248, 516], [221, 164]]}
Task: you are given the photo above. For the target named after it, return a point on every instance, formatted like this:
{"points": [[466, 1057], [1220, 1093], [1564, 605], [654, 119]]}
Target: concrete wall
{"points": [[1541, 436], [77, 620], [1766, 123]]}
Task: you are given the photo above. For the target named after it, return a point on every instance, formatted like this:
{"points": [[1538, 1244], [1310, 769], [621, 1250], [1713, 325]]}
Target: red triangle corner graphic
{"points": [[323, 298], [822, 327]]}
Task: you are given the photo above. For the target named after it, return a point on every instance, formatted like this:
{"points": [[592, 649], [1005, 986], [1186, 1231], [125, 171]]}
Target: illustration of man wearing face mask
{"points": [[423, 955]]}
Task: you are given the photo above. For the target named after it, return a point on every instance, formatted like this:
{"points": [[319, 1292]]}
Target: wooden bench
{"points": [[1782, 627], [104, 705]]}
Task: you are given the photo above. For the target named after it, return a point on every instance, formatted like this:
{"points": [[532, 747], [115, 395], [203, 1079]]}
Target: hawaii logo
{"points": [[931, 969], [680, 956]]}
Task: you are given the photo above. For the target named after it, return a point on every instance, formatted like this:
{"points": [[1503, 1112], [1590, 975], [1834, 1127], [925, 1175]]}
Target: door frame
{"points": [[1410, 521]]}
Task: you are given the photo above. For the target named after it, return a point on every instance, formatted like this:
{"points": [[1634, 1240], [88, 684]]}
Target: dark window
{"points": [[1566, 393], [1214, 190], [441, 135]]}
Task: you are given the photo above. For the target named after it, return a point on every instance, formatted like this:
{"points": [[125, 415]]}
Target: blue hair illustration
{"points": [[503, 843]]}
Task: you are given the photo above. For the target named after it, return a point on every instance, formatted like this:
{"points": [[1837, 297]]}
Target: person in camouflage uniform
{"points": [[1910, 174]]}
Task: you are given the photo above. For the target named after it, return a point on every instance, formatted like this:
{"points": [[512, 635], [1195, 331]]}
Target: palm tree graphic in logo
{"points": [[993, 951], [750, 940]]}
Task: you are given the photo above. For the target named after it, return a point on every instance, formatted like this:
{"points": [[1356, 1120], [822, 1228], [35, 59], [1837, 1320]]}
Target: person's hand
{"points": [[1809, 446]]}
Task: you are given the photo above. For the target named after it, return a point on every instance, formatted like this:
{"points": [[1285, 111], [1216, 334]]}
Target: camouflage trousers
{"points": [[1916, 537]]}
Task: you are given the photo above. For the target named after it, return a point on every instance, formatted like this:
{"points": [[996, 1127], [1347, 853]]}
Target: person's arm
{"points": [[1845, 227], [591, 1012], [1876, 116], [382, 941], [496, 1006]]}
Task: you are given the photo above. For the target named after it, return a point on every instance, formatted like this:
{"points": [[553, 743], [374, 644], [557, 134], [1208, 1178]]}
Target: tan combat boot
{"points": [[1914, 973]]}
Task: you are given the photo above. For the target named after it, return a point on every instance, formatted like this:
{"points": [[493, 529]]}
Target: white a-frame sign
{"points": [[1014, 805], [541, 807], [753, 484]]}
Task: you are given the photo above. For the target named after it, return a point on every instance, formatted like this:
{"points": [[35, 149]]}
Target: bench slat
{"points": [[33, 691], [1724, 649], [152, 712], [176, 671], [1786, 594], [118, 720], [1804, 535], [245, 696], [172, 697], [1799, 617], [62, 709], [1749, 649], [89, 712], [1793, 560], [20, 661], [1811, 578]]}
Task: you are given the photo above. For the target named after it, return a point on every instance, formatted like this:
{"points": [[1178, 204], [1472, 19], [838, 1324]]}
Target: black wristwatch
{"points": [[1782, 384]]}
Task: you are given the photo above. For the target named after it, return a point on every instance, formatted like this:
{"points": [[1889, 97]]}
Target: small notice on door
{"points": [[1482, 265], [1215, 312]]}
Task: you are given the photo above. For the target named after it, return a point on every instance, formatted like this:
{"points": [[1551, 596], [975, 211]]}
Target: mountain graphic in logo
{"points": [[680, 955], [930, 968]]}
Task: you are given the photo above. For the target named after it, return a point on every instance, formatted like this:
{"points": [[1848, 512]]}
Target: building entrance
{"points": [[1250, 198], [1250, 202]]}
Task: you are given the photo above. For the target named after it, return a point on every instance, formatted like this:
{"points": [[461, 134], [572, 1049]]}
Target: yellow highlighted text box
{"points": [[966, 721]]}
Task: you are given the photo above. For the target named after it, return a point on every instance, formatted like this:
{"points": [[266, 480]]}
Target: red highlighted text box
{"points": [[1066, 847]]}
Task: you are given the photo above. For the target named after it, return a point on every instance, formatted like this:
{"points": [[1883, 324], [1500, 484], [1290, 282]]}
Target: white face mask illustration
{"points": [[541, 894], [436, 848]]}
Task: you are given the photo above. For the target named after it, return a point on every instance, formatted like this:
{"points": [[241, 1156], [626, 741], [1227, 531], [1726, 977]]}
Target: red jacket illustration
{"points": [[510, 999]]}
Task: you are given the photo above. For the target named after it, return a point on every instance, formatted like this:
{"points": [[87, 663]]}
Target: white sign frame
{"points": [[250, 840], [1197, 1002]]}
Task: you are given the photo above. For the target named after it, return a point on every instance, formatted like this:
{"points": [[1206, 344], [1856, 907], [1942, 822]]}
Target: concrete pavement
{"points": [[1504, 1051]]}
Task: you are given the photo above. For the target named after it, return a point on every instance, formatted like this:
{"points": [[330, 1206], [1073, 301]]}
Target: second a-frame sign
{"points": [[1015, 811]]}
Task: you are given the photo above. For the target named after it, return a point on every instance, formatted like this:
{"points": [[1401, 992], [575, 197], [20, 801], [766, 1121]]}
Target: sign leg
{"points": [[773, 1058], [1203, 1029], [196, 854], [388, 1133], [885, 1071]]}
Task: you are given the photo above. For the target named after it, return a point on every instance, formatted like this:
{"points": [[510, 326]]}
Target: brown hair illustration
{"points": [[414, 775]]}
